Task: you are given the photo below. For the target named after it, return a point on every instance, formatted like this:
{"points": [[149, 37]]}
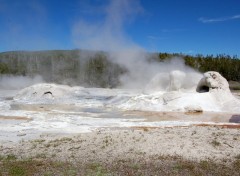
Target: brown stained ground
{"points": [[14, 118], [182, 116], [230, 126]]}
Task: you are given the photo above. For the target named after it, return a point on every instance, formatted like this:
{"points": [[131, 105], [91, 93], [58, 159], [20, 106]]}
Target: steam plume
{"points": [[109, 35], [18, 82]]}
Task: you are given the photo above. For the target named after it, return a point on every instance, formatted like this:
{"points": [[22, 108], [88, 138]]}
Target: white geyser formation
{"points": [[210, 94]]}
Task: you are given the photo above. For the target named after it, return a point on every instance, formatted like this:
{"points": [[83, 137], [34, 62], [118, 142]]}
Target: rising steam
{"points": [[109, 35], [18, 82]]}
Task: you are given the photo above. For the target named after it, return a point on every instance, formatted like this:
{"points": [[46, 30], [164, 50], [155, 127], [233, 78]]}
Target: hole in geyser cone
{"points": [[47, 93], [203, 89]]}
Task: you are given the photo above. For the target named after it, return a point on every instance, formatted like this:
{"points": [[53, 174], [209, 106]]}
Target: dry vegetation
{"points": [[178, 151]]}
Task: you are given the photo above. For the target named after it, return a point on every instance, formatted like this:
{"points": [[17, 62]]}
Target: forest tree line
{"points": [[226, 65], [72, 67], [89, 68]]}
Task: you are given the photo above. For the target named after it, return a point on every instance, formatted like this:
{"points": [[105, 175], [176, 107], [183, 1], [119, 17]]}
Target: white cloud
{"points": [[152, 37], [173, 30], [221, 19]]}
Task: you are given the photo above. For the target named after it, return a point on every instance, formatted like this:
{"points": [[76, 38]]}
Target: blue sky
{"points": [[186, 26]]}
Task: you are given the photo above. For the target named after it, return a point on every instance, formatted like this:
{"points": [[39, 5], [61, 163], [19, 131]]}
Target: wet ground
{"points": [[20, 120], [147, 116]]}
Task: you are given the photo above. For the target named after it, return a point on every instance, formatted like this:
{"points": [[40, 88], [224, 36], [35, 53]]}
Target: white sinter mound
{"points": [[218, 87], [43, 91], [211, 94]]}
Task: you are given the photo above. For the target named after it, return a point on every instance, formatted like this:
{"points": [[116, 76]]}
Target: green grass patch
{"points": [[215, 143], [17, 171], [11, 157], [157, 165]]}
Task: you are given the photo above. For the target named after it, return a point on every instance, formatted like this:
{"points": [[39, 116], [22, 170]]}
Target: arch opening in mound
{"points": [[212, 81], [203, 89], [202, 86]]}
